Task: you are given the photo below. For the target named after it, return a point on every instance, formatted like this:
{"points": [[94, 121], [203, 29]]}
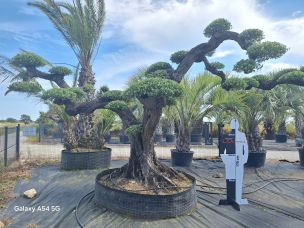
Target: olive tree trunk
{"points": [[143, 165]]}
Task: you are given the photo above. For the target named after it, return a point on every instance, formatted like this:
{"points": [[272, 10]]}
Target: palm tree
{"points": [[251, 115], [104, 120], [80, 23], [203, 97]]}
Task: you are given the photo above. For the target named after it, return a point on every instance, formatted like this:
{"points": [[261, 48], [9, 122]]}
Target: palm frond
{"points": [[80, 23]]}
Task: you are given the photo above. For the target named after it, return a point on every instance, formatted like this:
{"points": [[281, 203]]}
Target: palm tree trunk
{"points": [[85, 131], [282, 128], [298, 123], [183, 139], [254, 139], [269, 131]]}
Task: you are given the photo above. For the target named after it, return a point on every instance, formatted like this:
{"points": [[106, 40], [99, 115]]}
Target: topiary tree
{"points": [[80, 23], [159, 87]]}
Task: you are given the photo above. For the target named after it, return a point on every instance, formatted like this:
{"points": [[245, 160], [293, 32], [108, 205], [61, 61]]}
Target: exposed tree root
{"points": [[160, 179]]}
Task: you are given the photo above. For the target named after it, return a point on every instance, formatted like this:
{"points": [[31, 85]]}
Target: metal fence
{"points": [[50, 133], [9, 145]]}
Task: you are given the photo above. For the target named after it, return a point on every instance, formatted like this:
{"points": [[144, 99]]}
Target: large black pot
{"points": [[301, 155], [196, 138], [256, 159], [183, 159], [269, 137], [144, 205], [107, 138], [170, 138], [86, 160], [281, 138], [157, 138], [124, 139]]}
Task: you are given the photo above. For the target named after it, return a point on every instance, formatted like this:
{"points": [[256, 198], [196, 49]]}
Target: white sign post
{"points": [[234, 157]]}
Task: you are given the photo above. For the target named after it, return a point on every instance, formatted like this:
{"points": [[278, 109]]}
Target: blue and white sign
{"points": [[29, 131]]}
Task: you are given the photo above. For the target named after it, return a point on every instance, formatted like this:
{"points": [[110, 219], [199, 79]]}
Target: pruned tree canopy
{"points": [[160, 80]]}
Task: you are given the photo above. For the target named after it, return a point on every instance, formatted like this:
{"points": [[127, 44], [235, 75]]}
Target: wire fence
{"points": [[9, 145]]}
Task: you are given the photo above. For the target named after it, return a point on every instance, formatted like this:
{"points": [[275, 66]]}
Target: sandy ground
{"points": [[275, 151]]}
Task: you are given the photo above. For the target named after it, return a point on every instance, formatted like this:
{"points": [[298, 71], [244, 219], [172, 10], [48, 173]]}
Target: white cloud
{"points": [[270, 67], [296, 13], [129, 59], [173, 25], [221, 54]]}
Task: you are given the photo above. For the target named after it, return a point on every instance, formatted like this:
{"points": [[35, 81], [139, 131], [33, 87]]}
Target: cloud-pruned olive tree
{"points": [[159, 86], [80, 23]]}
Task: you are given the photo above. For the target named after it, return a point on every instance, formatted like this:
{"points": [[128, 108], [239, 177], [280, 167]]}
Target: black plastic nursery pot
{"points": [[170, 138], [157, 138], [107, 138], [183, 159], [269, 137], [301, 155], [124, 139], [256, 160], [142, 205], [196, 138], [86, 160], [281, 138]]}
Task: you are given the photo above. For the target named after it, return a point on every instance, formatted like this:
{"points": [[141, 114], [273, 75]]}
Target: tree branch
{"points": [[125, 114], [198, 53], [58, 79], [213, 70], [268, 85]]}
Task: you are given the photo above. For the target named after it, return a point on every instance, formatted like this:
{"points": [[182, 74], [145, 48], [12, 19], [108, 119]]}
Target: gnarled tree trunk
{"points": [[143, 165]]}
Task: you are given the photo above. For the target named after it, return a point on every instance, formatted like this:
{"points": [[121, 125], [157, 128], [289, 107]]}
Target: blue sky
{"points": [[140, 32]]}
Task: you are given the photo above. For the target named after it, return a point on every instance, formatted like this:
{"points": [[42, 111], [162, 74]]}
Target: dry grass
{"points": [[32, 139], [16, 171]]}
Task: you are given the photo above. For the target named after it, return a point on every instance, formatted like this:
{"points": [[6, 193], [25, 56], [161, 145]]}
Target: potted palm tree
{"points": [[170, 134], [158, 134], [168, 122], [190, 108], [281, 136], [104, 120], [250, 115]]}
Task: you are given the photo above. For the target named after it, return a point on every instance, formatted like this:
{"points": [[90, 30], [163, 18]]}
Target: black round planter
{"points": [[301, 155], [86, 160], [298, 141], [256, 159], [281, 138], [124, 139], [157, 138], [269, 137], [196, 138], [107, 138], [144, 206], [170, 138], [183, 159]]}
